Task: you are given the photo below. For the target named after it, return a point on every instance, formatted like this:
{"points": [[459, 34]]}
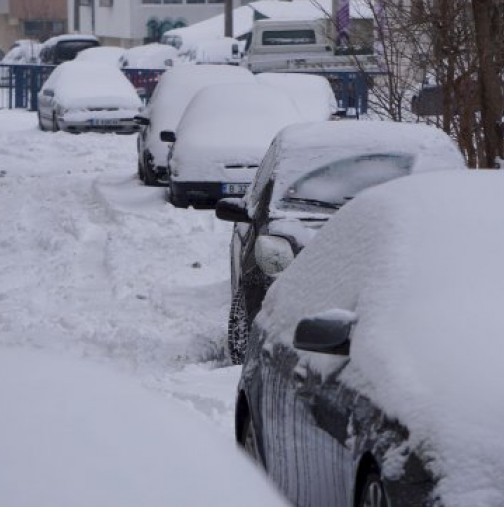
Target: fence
{"points": [[20, 84]]}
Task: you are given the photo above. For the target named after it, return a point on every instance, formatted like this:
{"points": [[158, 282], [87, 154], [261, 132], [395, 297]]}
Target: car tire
{"points": [[373, 492], [40, 124], [150, 177], [140, 171], [178, 200], [55, 126], [249, 440], [238, 330]]}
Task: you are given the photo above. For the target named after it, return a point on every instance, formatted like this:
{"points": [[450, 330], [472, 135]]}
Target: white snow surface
{"points": [[312, 95], [83, 85], [78, 434], [229, 124], [149, 56], [419, 260], [101, 54], [115, 289], [175, 89]]}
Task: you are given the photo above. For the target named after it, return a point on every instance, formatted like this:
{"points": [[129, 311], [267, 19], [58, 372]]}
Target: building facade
{"points": [[129, 23], [31, 19]]}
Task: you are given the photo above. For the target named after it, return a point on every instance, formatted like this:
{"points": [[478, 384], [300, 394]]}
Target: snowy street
{"points": [[95, 267]]}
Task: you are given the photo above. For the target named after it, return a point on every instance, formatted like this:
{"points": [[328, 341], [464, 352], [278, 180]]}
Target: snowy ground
{"points": [[94, 265]]}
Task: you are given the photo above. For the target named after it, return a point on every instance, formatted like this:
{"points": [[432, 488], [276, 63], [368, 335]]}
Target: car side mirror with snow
{"points": [[326, 333], [273, 254], [141, 120], [167, 136], [232, 209]]}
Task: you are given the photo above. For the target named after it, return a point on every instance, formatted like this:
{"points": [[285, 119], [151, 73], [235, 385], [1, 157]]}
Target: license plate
{"points": [[234, 188], [107, 123]]}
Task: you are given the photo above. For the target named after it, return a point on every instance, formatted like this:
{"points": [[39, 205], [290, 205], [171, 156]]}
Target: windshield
{"points": [[333, 184], [67, 50]]}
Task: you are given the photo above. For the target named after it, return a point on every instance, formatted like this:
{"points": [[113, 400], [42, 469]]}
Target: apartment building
{"points": [[128, 23], [31, 19]]}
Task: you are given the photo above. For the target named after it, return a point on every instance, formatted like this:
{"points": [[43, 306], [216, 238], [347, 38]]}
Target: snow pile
{"points": [[419, 260], [229, 125], [83, 85], [76, 434]]}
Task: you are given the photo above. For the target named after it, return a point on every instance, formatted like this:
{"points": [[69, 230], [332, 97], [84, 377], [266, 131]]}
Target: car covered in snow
{"points": [[373, 375], [82, 97], [101, 54], [174, 91], [221, 140], [149, 56], [222, 50], [22, 52], [310, 171], [64, 48]]}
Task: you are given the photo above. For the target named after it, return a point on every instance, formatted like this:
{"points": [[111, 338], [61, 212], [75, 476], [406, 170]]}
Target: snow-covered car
{"points": [[175, 89], [81, 434], [149, 56], [63, 48], [101, 54], [312, 94], [373, 375], [83, 97], [310, 171], [224, 50], [22, 52], [221, 140]]}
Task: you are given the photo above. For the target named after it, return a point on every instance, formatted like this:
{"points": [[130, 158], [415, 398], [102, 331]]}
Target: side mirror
{"points": [[273, 254], [232, 209], [141, 120], [49, 93], [327, 333], [167, 136]]}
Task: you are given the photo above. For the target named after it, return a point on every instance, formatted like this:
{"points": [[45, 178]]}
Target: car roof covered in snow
{"points": [[149, 56], [69, 37], [88, 84], [420, 262], [231, 122], [101, 54]]}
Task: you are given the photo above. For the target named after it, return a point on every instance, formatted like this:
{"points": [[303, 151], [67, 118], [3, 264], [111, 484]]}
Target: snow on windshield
{"points": [[419, 260]]}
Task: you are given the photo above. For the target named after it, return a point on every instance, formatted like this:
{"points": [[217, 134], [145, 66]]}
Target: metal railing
{"points": [[20, 84]]}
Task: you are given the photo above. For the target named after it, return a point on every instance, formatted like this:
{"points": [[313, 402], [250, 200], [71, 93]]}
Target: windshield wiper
{"points": [[313, 202]]}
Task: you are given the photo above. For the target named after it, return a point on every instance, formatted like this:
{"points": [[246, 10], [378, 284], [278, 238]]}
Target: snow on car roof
{"points": [[86, 84], [68, 37], [305, 147], [420, 261], [101, 54], [312, 95], [227, 121], [149, 56]]}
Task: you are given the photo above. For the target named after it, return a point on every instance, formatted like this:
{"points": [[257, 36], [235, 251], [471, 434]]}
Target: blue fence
{"points": [[20, 84]]}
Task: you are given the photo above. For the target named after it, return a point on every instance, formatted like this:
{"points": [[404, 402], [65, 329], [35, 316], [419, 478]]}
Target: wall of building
{"points": [[38, 9]]}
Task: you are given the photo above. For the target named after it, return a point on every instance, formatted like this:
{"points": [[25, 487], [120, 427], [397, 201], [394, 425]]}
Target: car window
{"points": [[262, 177], [288, 37], [335, 183]]}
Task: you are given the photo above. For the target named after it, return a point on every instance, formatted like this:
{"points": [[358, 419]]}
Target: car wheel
{"points": [[140, 172], [40, 124], [178, 200], [150, 177], [373, 493], [238, 328], [55, 126], [249, 440]]}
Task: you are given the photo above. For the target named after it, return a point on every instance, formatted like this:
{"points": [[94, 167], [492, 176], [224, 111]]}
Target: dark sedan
{"points": [[373, 374], [310, 171]]}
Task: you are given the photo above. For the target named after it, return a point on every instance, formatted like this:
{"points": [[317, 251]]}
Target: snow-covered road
{"points": [[94, 264]]}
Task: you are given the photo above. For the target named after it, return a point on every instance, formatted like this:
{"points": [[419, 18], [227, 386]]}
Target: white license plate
{"points": [[105, 123], [234, 188]]}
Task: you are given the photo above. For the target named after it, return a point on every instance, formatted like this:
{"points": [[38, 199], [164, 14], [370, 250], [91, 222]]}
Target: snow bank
{"points": [[419, 260], [76, 434]]}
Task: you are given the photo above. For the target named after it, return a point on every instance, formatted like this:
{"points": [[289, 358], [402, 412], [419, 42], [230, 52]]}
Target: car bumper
{"points": [[200, 193], [119, 127]]}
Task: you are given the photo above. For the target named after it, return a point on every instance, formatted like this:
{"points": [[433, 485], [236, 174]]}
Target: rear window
{"points": [[336, 183], [288, 37], [67, 50]]}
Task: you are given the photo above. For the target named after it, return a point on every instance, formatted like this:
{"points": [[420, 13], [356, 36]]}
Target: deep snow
{"points": [[95, 266]]}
